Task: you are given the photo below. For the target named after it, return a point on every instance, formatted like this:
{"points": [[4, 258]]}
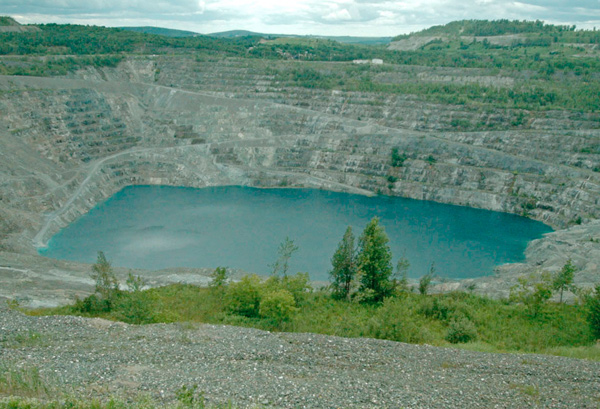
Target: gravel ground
{"points": [[94, 357]]}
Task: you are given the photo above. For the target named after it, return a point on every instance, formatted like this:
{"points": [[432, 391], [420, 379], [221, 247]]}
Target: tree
{"points": [[425, 281], [533, 291], [107, 284], [278, 306], [135, 283], [593, 316], [219, 279], [374, 261], [344, 266], [286, 249], [564, 278], [400, 280], [397, 159]]}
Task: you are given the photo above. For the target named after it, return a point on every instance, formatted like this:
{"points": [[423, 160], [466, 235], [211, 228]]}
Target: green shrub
{"points": [[92, 305], [533, 291], [593, 315], [243, 297], [219, 279], [460, 331], [189, 397], [298, 285], [434, 308], [278, 306], [135, 308], [397, 321]]}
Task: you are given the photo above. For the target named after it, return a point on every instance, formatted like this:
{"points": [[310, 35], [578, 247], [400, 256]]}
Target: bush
{"points": [[533, 291], [397, 321], [92, 305], [434, 308], [298, 285], [278, 306], [460, 331], [593, 316], [243, 297], [444, 308], [135, 308]]}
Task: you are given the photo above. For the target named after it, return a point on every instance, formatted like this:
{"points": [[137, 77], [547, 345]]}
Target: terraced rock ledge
{"points": [[68, 143]]}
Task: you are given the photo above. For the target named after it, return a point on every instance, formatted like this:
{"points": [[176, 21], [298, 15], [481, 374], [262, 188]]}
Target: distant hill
{"points": [[168, 32], [10, 25], [484, 28], [359, 40], [244, 33], [339, 39], [496, 33], [8, 21]]}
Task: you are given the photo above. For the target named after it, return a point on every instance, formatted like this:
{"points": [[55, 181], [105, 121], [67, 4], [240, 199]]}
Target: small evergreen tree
{"points": [[533, 291], [344, 266], [593, 305], [426, 280], [219, 279], [107, 285], [286, 249], [400, 280], [374, 261], [564, 278]]}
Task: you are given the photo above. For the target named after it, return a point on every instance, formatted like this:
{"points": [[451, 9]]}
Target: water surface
{"points": [[155, 227]]}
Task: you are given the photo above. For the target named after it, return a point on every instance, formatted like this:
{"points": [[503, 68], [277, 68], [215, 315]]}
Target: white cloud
{"points": [[338, 15], [335, 17]]}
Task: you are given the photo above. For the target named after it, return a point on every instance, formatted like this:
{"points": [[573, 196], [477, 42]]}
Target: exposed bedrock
{"points": [[66, 144]]}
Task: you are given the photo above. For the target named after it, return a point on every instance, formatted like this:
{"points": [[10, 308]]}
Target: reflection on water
{"points": [[156, 227]]}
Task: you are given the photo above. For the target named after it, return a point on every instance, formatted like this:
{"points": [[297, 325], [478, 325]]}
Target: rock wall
{"points": [[68, 143]]}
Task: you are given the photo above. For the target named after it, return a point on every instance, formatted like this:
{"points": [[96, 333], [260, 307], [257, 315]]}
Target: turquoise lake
{"points": [[156, 227]]}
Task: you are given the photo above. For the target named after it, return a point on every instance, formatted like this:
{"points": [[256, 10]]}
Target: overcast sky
{"points": [[330, 17]]}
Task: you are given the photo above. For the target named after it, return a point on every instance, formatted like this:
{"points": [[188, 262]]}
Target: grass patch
{"points": [[24, 340], [186, 398], [529, 391], [26, 382], [495, 325]]}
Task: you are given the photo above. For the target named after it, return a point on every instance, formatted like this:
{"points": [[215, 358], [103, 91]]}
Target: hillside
{"points": [[10, 25], [500, 34], [61, 357], [168, 32]]}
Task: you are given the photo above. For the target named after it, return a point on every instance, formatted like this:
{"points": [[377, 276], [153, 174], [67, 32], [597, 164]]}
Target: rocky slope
{"points": [[68, 143], [93, 357]]}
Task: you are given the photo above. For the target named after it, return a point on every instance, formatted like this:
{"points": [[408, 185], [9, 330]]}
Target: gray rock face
{"points": [[68, 143]]}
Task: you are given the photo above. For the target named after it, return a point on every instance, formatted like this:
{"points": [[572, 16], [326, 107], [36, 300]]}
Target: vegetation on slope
{"points": [[7, 21], [366, 299], [550, 66], [490, 28]]}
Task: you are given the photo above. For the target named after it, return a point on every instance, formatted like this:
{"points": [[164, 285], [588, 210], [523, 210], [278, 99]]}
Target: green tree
{"points": [[243, 297], [397, 159], [285, 251], [278, 306], [593, 315], [533, 291], [107, 285], [400, 280], [374, 262], [344, 266], [219, 279], [564, 278], [135, 283], [426, 280]]}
